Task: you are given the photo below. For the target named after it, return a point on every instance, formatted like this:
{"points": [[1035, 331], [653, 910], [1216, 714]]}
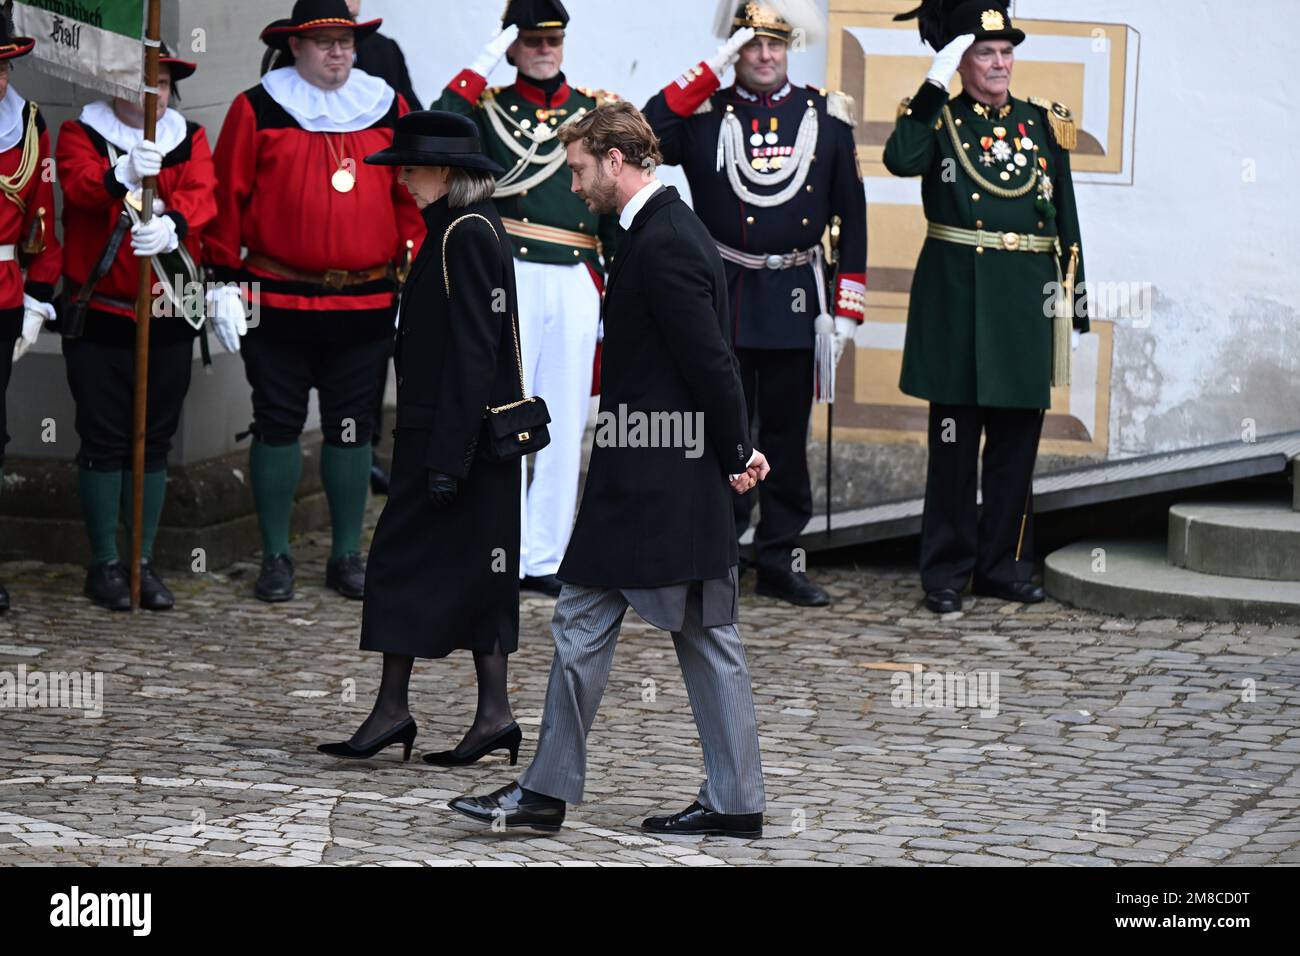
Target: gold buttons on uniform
{"points": [[909, 111], [730, 108], [525, 219], [514, 109], [958, 121], [979, 250], [523, 250], [809, 188], [975, 196], [805, 222], [463, 84], [576, 252], [979, 223], [1040, 225], [965, 145], [749, 219]]}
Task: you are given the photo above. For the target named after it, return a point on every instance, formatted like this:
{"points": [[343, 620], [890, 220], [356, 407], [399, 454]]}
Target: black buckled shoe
{"points": [[378, 480], [1024, 592], [4, 599], [347, 575], [793, 587], [699, 820], [154, 595], [515, 807], [547, 584], [275, 581], [108, 586], [943, 601]]}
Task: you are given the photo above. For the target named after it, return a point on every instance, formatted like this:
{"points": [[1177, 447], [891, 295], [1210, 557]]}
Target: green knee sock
{"points": [[100, 493], [155, 490], [275, 473], [345, 473]]}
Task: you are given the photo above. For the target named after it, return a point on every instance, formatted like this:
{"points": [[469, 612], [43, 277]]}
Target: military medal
{"points": [[756, 139], [772, 138], [342, 180]]}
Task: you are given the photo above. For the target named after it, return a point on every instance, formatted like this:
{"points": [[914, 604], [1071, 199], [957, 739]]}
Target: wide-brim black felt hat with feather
{"points": [[942, 21], [435, 138]]}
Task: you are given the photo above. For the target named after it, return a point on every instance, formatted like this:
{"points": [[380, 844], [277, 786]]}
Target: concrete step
{"points": [[1242, 539], [1138, 582]]}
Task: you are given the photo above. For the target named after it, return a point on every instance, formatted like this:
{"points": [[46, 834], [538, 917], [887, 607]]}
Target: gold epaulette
{"points": [[600, 96], [840, 105], [903, 107], [1064, 130]]}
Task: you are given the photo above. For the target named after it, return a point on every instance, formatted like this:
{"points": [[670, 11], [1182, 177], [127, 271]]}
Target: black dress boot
{"points": [[154, 595], [275, 582], [109, 586], [347, 575]]}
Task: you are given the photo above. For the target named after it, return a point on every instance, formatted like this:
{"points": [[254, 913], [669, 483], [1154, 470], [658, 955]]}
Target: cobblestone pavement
{"points": [[1114, 741]]}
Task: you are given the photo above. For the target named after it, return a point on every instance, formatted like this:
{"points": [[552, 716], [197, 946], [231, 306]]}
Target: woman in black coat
{"points": [[443, 573]]}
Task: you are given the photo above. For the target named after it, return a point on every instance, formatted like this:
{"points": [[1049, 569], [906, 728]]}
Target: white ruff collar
{"points": [[100, 117], [11, 119], [357, 104]]}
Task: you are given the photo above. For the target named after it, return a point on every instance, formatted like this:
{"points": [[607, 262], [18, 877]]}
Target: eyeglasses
{"points": [[535, 42], [325, 44]]}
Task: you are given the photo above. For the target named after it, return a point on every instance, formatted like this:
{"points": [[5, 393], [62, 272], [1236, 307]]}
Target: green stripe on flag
{"points": [[123, 17]]}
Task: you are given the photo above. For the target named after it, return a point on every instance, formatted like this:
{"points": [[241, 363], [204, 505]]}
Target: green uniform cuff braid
{"points": [[100, 493], [345, 473], [275, 472], [155, 491]]}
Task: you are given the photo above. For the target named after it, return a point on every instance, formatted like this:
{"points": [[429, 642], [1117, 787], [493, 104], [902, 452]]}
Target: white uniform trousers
{"points": [[559, 312]]}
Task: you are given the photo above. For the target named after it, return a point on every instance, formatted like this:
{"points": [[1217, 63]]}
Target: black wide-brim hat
{"points": [[12, 46], [311, 15], [942, 21], [180, 69], [435, 138]]}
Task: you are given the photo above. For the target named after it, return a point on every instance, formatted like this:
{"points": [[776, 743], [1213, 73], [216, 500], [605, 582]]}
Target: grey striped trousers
{"points": [[585, 627]]}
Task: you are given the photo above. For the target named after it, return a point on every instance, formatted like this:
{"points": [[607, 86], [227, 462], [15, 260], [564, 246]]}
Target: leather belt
{"points": [[749, 260], [331, 278], [999, 241], [552, 234]]}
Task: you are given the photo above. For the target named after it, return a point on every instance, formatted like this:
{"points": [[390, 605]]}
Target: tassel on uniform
{"points": [[1063, 324], [824, 360]]}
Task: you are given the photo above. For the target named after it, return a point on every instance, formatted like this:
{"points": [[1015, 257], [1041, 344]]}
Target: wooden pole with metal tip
{"points": [[144, 303]]}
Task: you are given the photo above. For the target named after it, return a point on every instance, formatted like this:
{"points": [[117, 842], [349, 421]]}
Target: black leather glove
{"points": [[442, 488]]}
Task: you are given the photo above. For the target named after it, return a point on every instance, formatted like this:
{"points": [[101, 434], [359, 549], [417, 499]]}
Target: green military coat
{"points": [[979, 326], [522, 109]]}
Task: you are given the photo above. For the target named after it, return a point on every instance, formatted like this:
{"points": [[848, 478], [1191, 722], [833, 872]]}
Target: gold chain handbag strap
{"points": [[514, 328]]}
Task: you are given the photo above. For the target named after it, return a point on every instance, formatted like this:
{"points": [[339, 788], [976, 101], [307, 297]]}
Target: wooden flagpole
{"points": [[144, 303]]}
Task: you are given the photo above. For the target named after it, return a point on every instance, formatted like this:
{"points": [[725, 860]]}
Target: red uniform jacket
{"points": [[275, 198], [92, 201], [17, 224]]}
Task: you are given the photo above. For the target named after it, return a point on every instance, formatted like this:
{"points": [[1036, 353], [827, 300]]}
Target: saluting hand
{"points": [[948, 59], [443, 488], [729, 52]]}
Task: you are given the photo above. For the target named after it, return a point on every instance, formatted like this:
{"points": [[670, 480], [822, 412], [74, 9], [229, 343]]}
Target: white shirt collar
{"points": [[11, 119], [637, 203], [357, 104], [99, 116]]}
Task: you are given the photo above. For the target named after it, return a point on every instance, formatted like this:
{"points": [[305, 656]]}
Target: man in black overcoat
{"points": [[655, 529]]}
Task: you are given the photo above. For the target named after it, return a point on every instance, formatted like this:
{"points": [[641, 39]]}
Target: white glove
{"points": [[496, 48], [1075, 337], [729, 52], [845, 330], [226, 313], [146, 159], [948, 59], [155, 236], [35, 314]]}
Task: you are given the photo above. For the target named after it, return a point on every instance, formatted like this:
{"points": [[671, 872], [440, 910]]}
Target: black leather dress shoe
{"points": [[4, 599], [1025, 592], [943, 601], [793, 587], [378, 480], [154, 595], [699, 820], [515, 807], [547, 584], [275, 582], [347, 575], [108, 586]]}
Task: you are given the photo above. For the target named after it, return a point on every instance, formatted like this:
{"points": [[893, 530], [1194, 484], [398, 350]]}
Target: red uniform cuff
{"points": [[691, 89], [468, 84], [851, 296]]}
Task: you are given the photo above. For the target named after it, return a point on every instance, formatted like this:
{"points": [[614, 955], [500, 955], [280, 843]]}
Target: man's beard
{"points": [[603, 194]]}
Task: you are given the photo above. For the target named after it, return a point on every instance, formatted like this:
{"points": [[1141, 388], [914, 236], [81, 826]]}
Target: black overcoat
{"points": [[442, 579], [654, 516]]}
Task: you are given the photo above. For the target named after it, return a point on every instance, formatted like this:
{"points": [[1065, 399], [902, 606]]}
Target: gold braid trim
{"points": [[1064, 129], [13, 186], [974, 173]]}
